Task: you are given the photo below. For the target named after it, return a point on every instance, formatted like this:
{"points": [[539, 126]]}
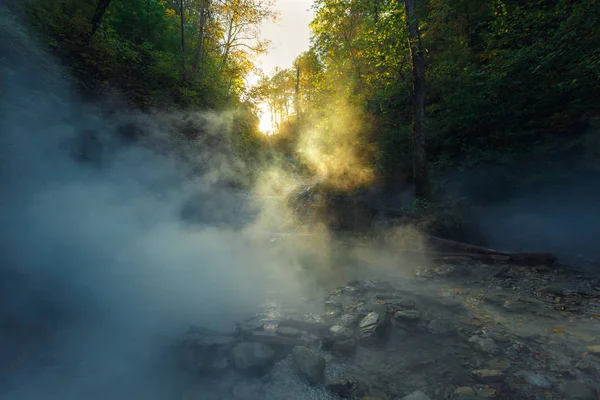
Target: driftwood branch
{"points": [[470, 250]]}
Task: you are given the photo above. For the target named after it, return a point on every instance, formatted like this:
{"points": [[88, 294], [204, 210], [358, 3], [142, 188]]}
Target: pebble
{"points": [[488, 375], [535, 379], [440, 326], [464, 391], [407, 315], [499, 364], [486, 344], [593, 349], [418, 395], [488, 393]]}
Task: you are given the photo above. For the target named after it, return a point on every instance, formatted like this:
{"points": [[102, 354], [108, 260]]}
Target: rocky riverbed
{"points": [[458, 329]]}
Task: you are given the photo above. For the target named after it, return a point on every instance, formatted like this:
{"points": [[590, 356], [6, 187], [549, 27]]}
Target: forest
{"points": [[390, 92]]}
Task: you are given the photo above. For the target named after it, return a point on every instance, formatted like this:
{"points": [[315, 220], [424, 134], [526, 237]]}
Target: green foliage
{"points": [[502, 76]]}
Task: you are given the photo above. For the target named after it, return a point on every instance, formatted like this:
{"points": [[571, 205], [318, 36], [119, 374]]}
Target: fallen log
{"points": [[529, 258]]}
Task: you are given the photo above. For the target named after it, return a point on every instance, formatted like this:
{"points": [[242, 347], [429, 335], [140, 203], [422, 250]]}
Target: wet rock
{"points": [[373, 327], [595, 350], [254, 358], [339, 332], [486, 344], [463, 393], [248, 390], [488, 375], [205, 351], [308, 365], [316, 328], [342, 387], [576, 390], [534, 379], [401, 303], [418, 395], [344, 347], [407, 315], [275, 340], [499, 364], [488, 393], [286, 331], [440, 326]]}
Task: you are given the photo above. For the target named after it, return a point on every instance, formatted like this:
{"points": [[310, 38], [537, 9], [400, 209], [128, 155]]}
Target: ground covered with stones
{"points": [[460, 329]]}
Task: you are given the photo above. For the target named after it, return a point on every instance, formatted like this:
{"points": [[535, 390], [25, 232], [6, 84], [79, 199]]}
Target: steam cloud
{"points": [[98, 260]]}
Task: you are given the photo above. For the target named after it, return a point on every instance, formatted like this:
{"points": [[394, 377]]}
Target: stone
{"points": [[316, 328], [576, 390], [342, 387], [401, 303], [308, 365], [499, 364], [206, 352], [464, 391], [593, 349], [255, 358], [275, 340], [373, 326], [418, 395], [344, 347], [488, 393], [488, 375], [248, 390], [535, 379], [440, 326], [339, 332], [287, 331], [486, 344], [407, 315]]}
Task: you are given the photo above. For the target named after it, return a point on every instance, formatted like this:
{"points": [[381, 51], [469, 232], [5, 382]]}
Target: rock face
{"points": [[254, 358], [308, 365], [373, 327]]}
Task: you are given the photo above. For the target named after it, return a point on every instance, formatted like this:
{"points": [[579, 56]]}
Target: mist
{"points": [[109, 246]]}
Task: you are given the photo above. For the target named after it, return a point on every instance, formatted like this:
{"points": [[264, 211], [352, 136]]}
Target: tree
{"points": [[182, 24], [101, 8], [420, 170]]}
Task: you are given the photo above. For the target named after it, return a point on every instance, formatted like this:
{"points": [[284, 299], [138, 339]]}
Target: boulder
{"points": [[373, 327], [252, 357], [339, 332], [308, 365]]}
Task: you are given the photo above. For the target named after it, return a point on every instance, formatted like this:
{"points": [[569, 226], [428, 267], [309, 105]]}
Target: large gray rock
{"points": [[205, 351], [308, 365], [253, 357], [339, 332], [373, 327]]}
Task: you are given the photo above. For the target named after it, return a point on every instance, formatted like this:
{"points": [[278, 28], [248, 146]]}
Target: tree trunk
{"points": [[297, 96], [420, 172], [182, 9], [199, 56], [101, 8]]}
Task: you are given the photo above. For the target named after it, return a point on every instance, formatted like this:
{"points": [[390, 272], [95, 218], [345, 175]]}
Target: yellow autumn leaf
{"points": [[558, 329]]}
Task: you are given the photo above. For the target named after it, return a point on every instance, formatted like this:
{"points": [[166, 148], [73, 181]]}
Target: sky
{"points": [[290, 36]]}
